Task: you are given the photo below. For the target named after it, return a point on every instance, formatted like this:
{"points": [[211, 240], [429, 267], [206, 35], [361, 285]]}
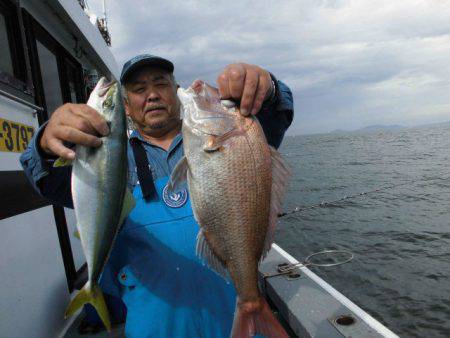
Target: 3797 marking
{"points": [[14, 137]]}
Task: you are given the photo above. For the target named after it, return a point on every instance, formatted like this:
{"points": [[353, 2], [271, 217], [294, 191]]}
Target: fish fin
{"points": [[280, 177], [128, 204], [62, 162], [214, 143], [178, 176], [90, 294], [256, 317], [204, 252]]}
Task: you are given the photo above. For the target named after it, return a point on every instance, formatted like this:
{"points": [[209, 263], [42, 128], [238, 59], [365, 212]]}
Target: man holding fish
{"points": [[153, 266]]}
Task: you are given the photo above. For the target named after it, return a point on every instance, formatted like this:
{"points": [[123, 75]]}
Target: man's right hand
{"points": [[76, 124]]}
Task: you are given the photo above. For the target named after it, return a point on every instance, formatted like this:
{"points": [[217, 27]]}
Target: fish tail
{"points": [[256, 317], [90, 294]]}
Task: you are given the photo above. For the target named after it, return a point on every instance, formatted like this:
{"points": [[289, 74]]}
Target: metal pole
{"points": [[104, 11]]}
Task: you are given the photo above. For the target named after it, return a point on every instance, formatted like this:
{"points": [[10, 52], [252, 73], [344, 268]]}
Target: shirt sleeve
{"points": [[50, 182], [277, 113]]}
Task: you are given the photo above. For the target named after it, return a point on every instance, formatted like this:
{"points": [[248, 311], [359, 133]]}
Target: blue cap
{"points": [[144, 60]]}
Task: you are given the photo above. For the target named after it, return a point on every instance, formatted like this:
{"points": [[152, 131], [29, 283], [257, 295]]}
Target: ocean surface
{"points": [[400, 236]]}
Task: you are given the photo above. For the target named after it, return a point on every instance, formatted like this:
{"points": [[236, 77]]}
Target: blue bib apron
{"points": [[153, 267]]}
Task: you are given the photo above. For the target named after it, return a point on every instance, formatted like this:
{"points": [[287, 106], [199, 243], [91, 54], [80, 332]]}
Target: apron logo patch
{"points": [[175, 200]]}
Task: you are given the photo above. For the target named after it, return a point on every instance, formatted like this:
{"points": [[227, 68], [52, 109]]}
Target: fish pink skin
{"points": [[236, 182]]}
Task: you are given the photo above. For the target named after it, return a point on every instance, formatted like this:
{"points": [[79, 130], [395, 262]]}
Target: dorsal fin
{"points": [[280, 177]]}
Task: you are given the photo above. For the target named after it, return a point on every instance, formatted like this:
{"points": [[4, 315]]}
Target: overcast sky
{"points": [[349, 64]]}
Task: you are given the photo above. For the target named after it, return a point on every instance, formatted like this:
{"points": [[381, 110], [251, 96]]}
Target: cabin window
{"points": [[6, 64], [13, 71], [50, 78], [56, 74], [74, 82], [73, 91]]}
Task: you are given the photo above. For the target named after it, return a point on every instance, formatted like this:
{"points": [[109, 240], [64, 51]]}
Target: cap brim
{"points": [[154, 61]]}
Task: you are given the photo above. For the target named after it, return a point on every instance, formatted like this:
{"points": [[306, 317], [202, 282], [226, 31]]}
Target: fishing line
{"points": [[325, 204], [287, 269]]}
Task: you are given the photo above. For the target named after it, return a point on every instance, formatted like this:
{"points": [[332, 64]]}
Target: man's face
{"points": [[152, 102]]}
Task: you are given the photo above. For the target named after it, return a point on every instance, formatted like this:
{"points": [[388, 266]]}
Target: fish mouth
{"points": [[203, 111], [104, 85]]}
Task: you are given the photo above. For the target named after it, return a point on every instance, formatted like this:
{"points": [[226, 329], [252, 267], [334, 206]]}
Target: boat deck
{"points": [[305, 304], [313, 308]]}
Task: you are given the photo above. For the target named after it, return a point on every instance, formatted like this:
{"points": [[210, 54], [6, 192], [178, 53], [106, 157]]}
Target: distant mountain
{"points": [[338, 131], [369, 129], [380, 127]]}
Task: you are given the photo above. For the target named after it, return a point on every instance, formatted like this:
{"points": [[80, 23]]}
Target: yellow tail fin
{"points": [[90, 294]]}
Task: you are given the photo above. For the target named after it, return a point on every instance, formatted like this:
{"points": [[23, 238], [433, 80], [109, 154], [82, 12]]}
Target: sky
{"points": [[349, 64]]}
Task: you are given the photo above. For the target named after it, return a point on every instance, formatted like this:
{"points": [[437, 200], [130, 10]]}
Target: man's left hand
{"points": [[248, 83]]}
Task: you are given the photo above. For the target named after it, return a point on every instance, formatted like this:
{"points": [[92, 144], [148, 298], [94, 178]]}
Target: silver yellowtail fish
{"points": [[236, 182], [100, 196]]}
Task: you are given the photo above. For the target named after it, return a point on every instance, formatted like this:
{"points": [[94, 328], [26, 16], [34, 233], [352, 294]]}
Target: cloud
{"points": [[348, 63]]}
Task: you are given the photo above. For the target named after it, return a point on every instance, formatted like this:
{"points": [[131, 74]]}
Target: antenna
{"points": [[102, 25], [104, 13]]}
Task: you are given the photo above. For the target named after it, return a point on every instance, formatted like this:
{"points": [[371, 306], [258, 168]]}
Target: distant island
{"points": [[371, 129], [380, 128]]}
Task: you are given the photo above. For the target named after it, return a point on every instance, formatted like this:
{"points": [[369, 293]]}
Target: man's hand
{"points": [[248, 83], [76, 124]]}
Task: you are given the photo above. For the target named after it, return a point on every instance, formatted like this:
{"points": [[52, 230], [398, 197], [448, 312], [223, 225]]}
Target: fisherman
{"points": [[153, 268]]}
